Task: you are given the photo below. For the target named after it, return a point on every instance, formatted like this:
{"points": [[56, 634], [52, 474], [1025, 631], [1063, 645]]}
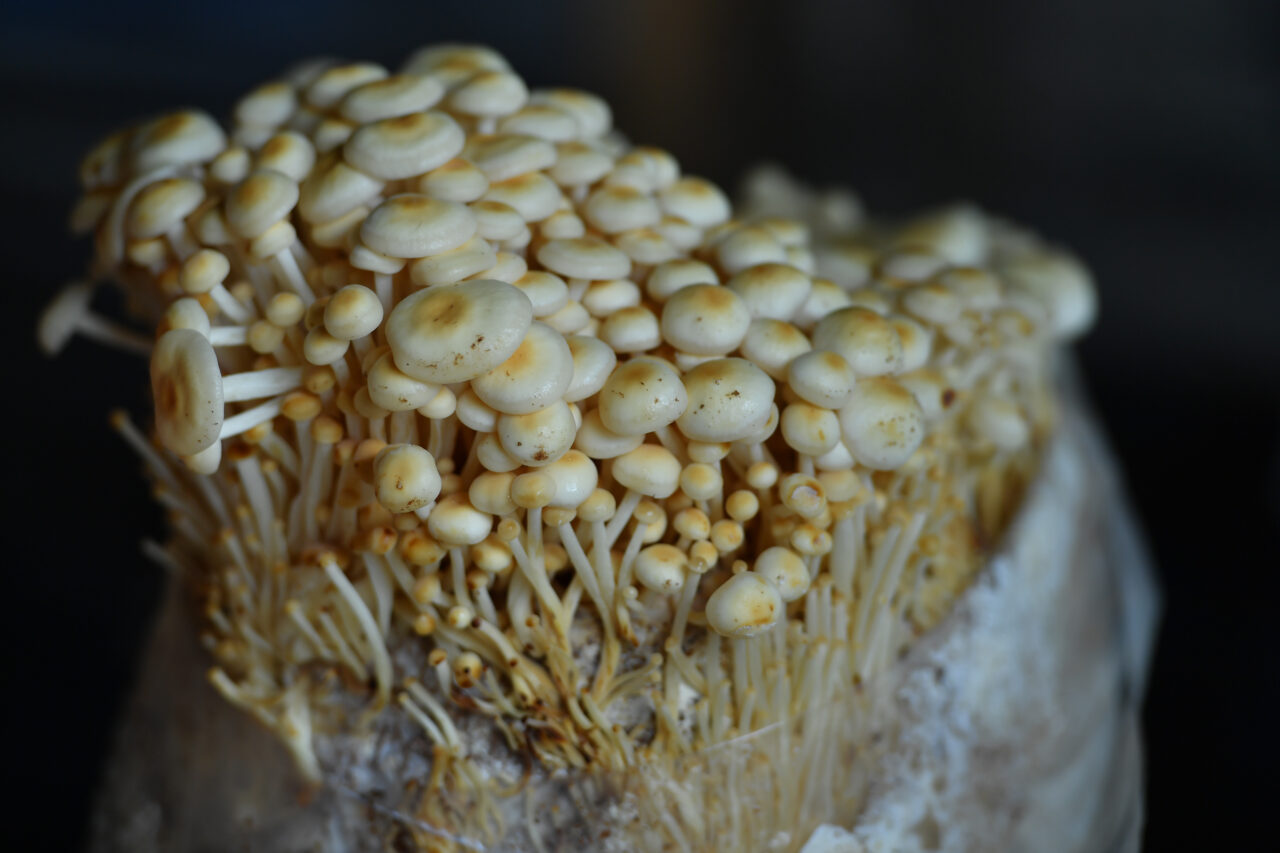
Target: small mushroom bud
{"points": [[405, 478], [744, 605]]}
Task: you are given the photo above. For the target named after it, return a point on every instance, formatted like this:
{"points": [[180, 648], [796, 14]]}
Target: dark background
{"points": [[1146, 135]]}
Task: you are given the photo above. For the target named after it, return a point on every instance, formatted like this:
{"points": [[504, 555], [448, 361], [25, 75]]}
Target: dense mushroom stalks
{"points": [[468, 408]]}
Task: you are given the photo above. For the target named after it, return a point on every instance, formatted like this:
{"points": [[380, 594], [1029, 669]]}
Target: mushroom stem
{"points": [[99, 328], [255, 384], [381, 660]]}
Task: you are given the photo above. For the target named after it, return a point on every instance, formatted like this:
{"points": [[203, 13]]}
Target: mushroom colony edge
{"points": [[468, 409]]}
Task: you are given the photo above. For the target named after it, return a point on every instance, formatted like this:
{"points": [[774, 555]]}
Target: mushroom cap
{"points": [[783, 568], [352, 312], [405, 477], [579, 164], [536, 375], [999, 421], [729, 399], [162, 205], [593, 362], [632, 329], [933, 302], [599, 442], [661, 568], [397, 95], [771, 345], [395, 390], [186, 387], [744, 605], [605, 297], [177, 139], [648, 469], [705, 319], [1061, 283], [748, 246], [490, 492], [455, 333], [575, 477], [533, 195], [821, 377], [454, 521], [289, 153], [404, 146], [809, 429], [203, 270], [882, 423], [538, 438], [671, 276], [410, 225], [865, 339], [334, 190], [917, 342], [825, 297], [543, 121], [613, 209], [696, 201], [497, 221], [260, 201], [546, 291], [584, 257], [59, 319], [593, 114], [472, 257], [269, 105], [509, 155], [475, 413], [492, 92], [332, 84], [640, 396], [458, 180], [775, 291]]}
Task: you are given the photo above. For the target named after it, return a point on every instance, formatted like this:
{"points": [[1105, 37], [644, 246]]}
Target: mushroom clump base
{"points": [[527, 492]]}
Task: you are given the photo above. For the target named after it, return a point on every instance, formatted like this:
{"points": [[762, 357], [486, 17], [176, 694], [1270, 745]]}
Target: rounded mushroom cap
{"points": [[61, 316], [176, 139], [538, 438], [822, 378], [701, 481], [455, 333], [490, 492], [1000, 422], [661, 568], [396, 148], [490, 93], [705, 319], [696, 201], [631, 330], [1061, 283], [405, 477], [533, 195], [397, 95], [775, 291], [865, 339], [772, 344], [536, 375], [613, 209], [186, 387], [593, 115], [352, 312], [329, 87], [783, 568], [186, 313], [917, 342], [395, 390], [729, 399], [334, 190], [269, 105], [882, 423], [458, 180], [668, 278], [454, 521], [546, 291], [509, 155], [810, 429], [640, 396], [289, 153], [593, 362], [584, 257], [579, 164], [162, 205], [260, 201], [599, 442], [649, 469], [744, 605], [410, 225], [575, 477], [203, 270]]}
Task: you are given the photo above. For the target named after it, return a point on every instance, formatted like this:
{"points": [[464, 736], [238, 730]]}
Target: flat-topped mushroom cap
{"points": [[783, 568], [593, 362], [404, 146], [649, 469], [599, 442], [661, 568], [472, 257], [535, 376], [163, 205], [455, 333], [705, 319], [509, 155], [260, 201], [405, 477], [744, 605], [397, 95], [353, 312], [640, 396], [593, 114], [977, 289], [729, 399], [613, 209], [186, 387], [671, 276], [177, 139], [584, 257], [579, 164], [497, 221], [696, 201], [458, 180], [451, 63], [575, 477], [774, 291], [533, 194], [863, 338], [882, 423], [332, 84], [489, 93], [410, 225], [543, 121], [538, 438], [546, 291], [334, 189], [394, 390]]}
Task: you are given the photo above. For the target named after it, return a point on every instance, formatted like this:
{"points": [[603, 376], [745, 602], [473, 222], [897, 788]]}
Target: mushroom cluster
{"points": [[467, 406]]}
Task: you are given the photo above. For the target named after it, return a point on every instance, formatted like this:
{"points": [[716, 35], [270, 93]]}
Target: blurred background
{"points": [[1144, 134]]}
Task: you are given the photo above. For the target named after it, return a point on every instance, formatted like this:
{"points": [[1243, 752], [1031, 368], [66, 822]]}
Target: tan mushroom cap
{"points": [[352, 312], [335, 190], [696, 201], [613, 209], [490, 93], [454, 521], [546, 291], [729, 399], [471, 258], [405, 146], [783, 568], [163, 205], [822, 378], [593, 362], [410, 225], [289, 153], [705, 319], [651, 470], [575, 477], [455, 333], [332, 84], [186, 387], [641, 396], [543, 121], [599, 442], [395, 390], [269, 105], [773, 291], [176, 139], [458, 180], [533, 194], [405, 477], [584, 257], [497, 221], [536, 375], [397, 95], [669, 277], [744, 605], [538, 438], [631, 330], [579, 164], [452, 63], [863, 338], [260, 201], [661, 568], [593, 115], [509, 155], [882, 423]]}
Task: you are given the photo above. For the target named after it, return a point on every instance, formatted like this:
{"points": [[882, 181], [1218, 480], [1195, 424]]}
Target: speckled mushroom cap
{"points": [[502, 417]]}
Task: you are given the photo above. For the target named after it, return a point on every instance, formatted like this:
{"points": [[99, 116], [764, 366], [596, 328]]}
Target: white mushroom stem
{"points": [[256, 384], [285, 267], [228, 336], [381, 660]]}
